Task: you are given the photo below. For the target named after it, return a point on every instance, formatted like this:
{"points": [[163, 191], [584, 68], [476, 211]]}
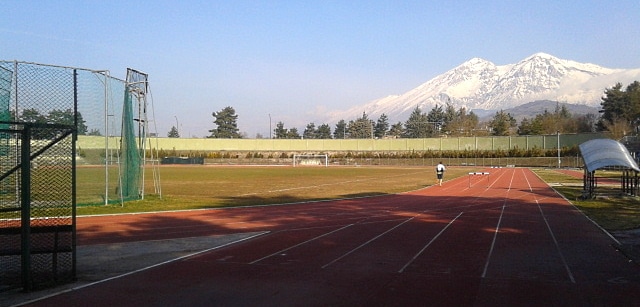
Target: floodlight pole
{"points": [[270, 125], [177, 126]]}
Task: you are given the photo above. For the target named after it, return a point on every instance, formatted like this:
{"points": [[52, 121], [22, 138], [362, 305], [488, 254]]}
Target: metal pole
{"points": [[177, 125], [25, 204], [558, 148], [270, 125]]}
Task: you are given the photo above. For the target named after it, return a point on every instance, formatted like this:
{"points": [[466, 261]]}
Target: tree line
{"points": [[620, 115], [61, 117]]}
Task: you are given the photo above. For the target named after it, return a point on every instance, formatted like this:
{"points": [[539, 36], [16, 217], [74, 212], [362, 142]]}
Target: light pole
{"points": [[177, 125], [269, 125]]}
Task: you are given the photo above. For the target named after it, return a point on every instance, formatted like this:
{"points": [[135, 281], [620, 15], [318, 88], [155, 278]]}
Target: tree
{"points": [[310, 131], [436, 118], [382, 126], [586, 123], [618, 105], [173, 133], [417, 126], [461, 123], [66, 117], [502, 123], [618, 128], [227, 126], [341, 130], [361, 128], [323, 132], [280, 132], [293, 133], [560, 120], [396, 130]]}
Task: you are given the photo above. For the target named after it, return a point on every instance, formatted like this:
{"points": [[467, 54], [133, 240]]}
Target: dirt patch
{"points": [[630, 243]]}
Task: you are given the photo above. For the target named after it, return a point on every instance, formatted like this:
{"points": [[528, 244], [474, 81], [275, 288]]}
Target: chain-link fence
{"points": [[42, 110]]}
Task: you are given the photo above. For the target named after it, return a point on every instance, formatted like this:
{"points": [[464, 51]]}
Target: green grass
{"points": [[612, 212], [198, 187]]}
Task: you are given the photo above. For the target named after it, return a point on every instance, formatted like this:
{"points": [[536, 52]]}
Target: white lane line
{"points": [[365, 243], [555, 241], [143, 269], [493, 242], [426, 246], [497, 230], [495, 181], [527, 179], [300, 244], [564, 261]]}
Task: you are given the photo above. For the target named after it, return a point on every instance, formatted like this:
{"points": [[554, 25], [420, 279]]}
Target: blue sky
{"points": [[294, 60]]}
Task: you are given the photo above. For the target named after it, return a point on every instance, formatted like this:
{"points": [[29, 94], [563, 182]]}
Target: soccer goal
{"points": [[311, 160]]}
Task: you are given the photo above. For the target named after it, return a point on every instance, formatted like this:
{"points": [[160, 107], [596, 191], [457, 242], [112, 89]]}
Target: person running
{"points": [[440, 169]]}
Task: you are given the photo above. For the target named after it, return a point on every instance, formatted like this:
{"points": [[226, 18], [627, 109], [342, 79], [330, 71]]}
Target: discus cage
{"points": [[43, 109]]}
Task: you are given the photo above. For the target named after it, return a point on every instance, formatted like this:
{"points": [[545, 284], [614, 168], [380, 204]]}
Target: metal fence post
{"points": [[25, 203]]}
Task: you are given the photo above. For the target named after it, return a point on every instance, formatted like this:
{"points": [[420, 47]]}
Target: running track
{"points": [[506, 240]]}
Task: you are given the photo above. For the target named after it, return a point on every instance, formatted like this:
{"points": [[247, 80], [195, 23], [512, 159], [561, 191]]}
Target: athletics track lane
{"points": [[503, 240]]}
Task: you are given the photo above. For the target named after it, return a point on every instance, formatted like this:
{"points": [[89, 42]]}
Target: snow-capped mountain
{"points": [[481, 85]]}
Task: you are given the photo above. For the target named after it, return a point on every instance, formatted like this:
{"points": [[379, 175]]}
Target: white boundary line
{"points": [[142, 269], [493, 242], [581, 212], [564, 261], [553, 236], [426, 246], [371, 240], [497, 230], [300, 244]]}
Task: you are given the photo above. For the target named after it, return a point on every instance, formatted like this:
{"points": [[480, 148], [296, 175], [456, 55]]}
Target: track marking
{"points": [[493, 242], [564, 261], [497, 230], [553, 237], [371, 240], [426, 246], [300, 244], [143, 269]]}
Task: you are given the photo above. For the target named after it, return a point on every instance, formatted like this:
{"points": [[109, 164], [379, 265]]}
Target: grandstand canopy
{"points": [[599, 153]]}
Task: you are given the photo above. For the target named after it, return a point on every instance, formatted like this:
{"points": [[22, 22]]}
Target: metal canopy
{"points": [[601, 153]]}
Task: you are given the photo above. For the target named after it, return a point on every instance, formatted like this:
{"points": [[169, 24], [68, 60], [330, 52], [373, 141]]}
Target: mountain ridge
{"points": [[479, 84]]}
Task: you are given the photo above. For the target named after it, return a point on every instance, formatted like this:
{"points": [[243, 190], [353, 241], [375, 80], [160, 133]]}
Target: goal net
{"points": [[311, 160]]}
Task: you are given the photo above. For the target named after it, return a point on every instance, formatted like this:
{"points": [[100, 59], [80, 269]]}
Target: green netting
{"points": [[5, 114], [130, 159]]}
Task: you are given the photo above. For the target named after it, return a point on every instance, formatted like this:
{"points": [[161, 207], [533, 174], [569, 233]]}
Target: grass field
{"points": [[610, 212], [198, 187]]}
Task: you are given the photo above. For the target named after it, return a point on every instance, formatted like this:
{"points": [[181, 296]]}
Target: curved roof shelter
{"points": [[599, 153]]}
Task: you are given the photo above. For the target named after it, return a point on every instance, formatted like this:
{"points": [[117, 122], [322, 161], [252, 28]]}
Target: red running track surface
{"points": [[505, 240]]}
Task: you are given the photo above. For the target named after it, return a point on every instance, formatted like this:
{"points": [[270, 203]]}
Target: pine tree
{"points": [[618, 105], [417, 126], [396, 130], [361, 128], [173, 133], [382, 126], [227, 126], [323, 132], [280, 132], [293, 133], [501, 123], [341, 130], [310, 131]]}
